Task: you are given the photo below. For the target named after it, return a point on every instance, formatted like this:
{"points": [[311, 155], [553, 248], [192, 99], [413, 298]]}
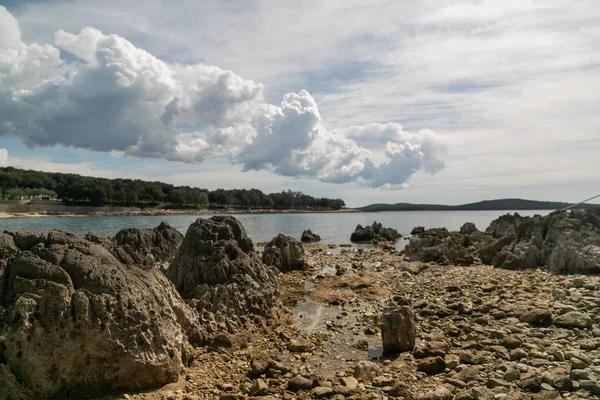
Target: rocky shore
{"points": [[150, 314]]}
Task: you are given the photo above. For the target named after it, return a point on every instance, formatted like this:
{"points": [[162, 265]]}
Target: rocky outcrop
{"points": [[566, 242], [308, 236], [284, 253], [76, 322], [217, 270], [447, 248], [375, 233]]}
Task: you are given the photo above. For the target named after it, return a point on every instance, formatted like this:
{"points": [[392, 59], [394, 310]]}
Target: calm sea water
{"points": [[333, 228]]}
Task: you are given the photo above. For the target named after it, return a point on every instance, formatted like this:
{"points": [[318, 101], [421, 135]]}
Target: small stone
{"points": [[431, 365], [320, 392], [299, 383], [537, 317], [349, 382], [259, 388], [366, 370], [578, 283], [440, 393], [512, 373], [260, 364], [532, 384], [298, 345], [573, 319], [399, 390], [511, 342], [577, 363], [382, 381], [517, 354], [591, 386], [493, 383], [362, 344], [468, 374], [563, 383]]}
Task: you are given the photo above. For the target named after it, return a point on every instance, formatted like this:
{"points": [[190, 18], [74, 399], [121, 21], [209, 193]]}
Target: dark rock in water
{"points": [[74, 319], [284, 253], [417, 230], [398, 330], [375, 233], [222, 276], [309, 236]]}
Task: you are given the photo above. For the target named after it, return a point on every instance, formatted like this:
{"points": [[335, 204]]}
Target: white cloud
{"points": [[3, 157], [118, 98]]}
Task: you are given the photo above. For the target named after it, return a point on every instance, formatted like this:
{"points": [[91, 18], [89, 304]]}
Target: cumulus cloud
{"points": [[3, 157], [115, 97]]}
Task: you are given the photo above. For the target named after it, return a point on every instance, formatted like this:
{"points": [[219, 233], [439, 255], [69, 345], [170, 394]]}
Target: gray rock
{"points": [[592, 386], [512, 373], [573, 319], [284, 253]]}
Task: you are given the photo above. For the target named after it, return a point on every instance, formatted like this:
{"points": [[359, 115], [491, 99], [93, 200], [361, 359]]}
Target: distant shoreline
{"points": [[159, 213]]}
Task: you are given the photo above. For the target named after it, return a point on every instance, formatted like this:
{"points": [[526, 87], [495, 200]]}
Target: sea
{"points": [[334, 228]]}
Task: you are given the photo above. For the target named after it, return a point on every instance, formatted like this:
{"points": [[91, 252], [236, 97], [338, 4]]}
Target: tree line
{"points": [[84, 190]]}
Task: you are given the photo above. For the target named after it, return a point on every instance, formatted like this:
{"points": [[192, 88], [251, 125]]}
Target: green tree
{"points": [[8, 181]]}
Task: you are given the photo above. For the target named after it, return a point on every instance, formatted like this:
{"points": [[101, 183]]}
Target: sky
{"points": [[428, 101]]}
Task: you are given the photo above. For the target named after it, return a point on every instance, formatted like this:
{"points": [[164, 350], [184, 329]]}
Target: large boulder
{"points": [[309, 236], [376, 233], [398, 331], [217, 270], [76, 322], [284, 253]]}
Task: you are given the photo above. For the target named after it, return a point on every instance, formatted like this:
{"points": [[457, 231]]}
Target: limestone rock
{"points": [[446, 248], [573, 319], [80, 320], [398, 330], [217, 270], [284, 253], [148, 246]]}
